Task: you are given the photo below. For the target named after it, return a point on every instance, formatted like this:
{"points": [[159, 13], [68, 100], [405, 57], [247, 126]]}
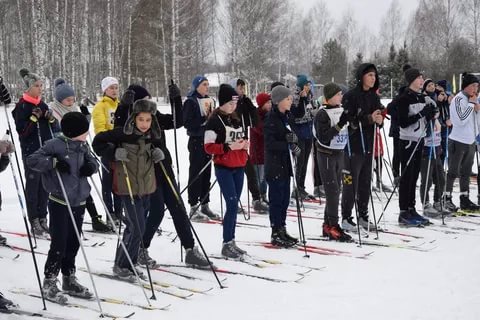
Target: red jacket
{"points": [[257, 146], [216, 141]]}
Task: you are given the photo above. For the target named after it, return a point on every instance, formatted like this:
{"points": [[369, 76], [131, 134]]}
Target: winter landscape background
{"points": [[152, 41]]}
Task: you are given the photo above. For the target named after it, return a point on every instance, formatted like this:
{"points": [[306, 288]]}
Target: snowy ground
{"points": [[440, 282]]}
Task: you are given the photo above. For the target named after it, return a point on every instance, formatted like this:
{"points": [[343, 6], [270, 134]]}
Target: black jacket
{"points": [[277, 159], [247, 113], [360, 105]]}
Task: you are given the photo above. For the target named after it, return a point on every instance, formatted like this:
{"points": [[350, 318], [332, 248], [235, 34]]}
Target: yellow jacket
{"points": [[103, 114]]}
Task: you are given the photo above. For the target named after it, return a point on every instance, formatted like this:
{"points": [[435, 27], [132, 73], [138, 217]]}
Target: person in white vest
{"points": [[461, 144], [331, 137]]}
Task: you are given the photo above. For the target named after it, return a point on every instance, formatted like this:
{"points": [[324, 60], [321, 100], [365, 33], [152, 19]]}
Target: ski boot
{"points": [[99, 226], [278, 239], [195, 258], [5, 304], [205, 209], [144, 258], [71, 287], [52, 292], [405, 219], [229, 251], [335, 233], [260, 206], [467, 205]]}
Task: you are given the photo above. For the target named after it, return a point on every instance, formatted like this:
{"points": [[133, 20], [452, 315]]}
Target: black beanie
{"points": [[330, 90], [74, 124], [468, 79], [140, 92], [276, 83], [226, 93], [411, 74]]}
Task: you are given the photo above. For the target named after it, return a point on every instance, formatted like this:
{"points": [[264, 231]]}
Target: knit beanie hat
{"points": [[468, 79], [279, 93], [411, 74], [140, 92], [426, 83], [62, 90], [107, 82], [262, 98], [74, 124], [276, 83], [302, 80], [143, 106], [226, 93], [330, 90], [29, 78], [197, 80]]}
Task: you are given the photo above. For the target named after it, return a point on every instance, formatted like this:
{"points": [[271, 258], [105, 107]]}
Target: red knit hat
{"points": [[262, 98]]}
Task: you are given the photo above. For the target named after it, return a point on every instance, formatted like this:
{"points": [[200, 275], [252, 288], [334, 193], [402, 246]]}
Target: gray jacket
{"points": [[76, 153]]}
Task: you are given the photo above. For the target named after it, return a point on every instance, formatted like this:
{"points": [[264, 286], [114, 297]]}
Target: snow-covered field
{"points": [[436, 277]]}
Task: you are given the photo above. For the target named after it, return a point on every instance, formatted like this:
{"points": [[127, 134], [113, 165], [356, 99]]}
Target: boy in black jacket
{"points": [[279, 140], [331, 136], [364, 112]]}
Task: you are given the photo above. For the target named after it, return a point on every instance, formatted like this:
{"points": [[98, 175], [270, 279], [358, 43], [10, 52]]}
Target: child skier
{"points": [[130, 148], [163, 195], [278, 167], [68, 155], [257, 145], [35, 124], [103, 117], [331, 136], [196, 110], [414, 112], [64, 103], [225, 140]]}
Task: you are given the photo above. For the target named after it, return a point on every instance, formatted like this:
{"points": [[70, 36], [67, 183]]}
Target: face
{"points": [[82, 137], [430, 87], [285, 104], [36, 90], [368, 80], [203, 88], [441, 96], [307, 87], [229, 107], [417, 84], [336, 99], [143, 121], [240, 90], [471, 90], [112, 91], [68, 101], [267, 106]]}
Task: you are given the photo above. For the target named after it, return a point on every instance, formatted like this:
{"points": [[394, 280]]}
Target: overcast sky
{"points": [[367, 12]]}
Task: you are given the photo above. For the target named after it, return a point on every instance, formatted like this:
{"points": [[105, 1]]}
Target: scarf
{"points": [[59, 110]]}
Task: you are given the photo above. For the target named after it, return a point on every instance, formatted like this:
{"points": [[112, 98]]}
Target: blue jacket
{"points": [[193, 120], [28, 130], [76, 153]]}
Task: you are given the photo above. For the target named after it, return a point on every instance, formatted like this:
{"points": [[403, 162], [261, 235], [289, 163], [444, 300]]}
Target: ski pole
{"points": [[24, 215], [426, 181], [119, 240], [174, 113], [132, 202], [180, 202], [445, 169], [354, 191], [77, 233], [376, 147], [301, 231], [207, 165]]}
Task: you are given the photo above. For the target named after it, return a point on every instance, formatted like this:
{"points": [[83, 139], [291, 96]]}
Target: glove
{"points": [[128, 97], [121, 154], [61, 165], [428, 111], [157, 155], [87, 169], [49, 115], [343, 119], [291, 137], [37, 112], [84, 110], [295, 149], [173, 91]]}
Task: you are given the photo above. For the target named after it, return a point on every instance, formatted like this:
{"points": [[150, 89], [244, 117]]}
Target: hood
{"points": [[360, 72]]}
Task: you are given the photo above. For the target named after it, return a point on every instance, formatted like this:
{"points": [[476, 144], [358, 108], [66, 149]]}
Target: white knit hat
{"points": [[107, 82]]}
